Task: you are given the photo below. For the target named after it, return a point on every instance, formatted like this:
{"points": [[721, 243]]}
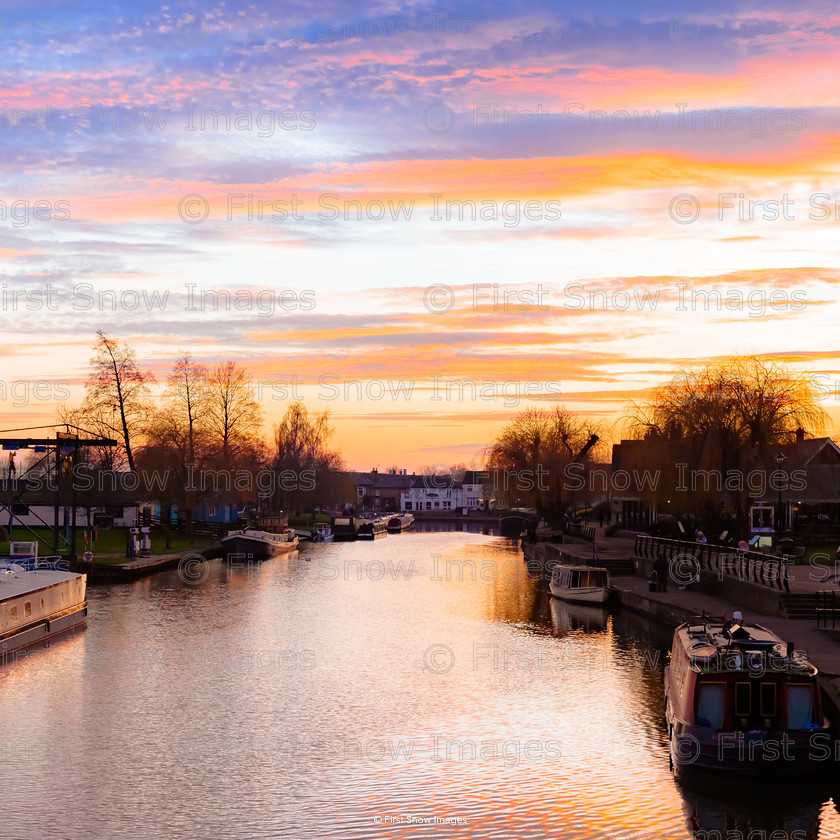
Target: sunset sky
{"points": [[647, 192]]}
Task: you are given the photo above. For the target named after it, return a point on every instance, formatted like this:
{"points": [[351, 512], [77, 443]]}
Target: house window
{"points": [[214, 511], [408, 505]]}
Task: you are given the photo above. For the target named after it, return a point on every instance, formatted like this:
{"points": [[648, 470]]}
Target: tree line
{"points": [[205, 435], [725, 417]]}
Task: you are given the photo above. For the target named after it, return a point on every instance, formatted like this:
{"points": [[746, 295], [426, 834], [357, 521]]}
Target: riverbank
{"points": [[711, 595], [107, 571]]}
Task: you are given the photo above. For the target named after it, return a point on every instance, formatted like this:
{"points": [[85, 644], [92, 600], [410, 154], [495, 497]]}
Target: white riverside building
{"points": [[443, 493]]}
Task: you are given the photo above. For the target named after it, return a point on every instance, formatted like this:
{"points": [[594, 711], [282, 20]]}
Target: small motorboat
{"points": [[582, 584], [323, 533]]}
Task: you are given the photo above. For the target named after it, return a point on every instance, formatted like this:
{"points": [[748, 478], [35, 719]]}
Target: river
{"points": [[355, 690]]}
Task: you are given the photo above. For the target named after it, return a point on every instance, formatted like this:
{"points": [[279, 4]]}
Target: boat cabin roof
{"points": [[13, 583], [714, 645]]}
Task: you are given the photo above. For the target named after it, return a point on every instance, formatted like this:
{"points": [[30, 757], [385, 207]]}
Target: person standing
{"points": [[660, 566]]}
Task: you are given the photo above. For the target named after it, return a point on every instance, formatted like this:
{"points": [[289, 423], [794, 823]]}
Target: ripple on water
{"points": [[292, 699]]}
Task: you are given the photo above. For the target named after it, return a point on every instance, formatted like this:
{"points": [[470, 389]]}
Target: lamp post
{"points": [[780, 457]]}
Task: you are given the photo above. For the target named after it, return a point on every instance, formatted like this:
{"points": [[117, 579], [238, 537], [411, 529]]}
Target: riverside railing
{"points": [[578, 529], [827, 607], [754, 566]]}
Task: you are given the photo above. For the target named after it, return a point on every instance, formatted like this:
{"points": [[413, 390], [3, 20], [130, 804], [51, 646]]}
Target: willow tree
{"points": [[723, 418], [531, 452]]}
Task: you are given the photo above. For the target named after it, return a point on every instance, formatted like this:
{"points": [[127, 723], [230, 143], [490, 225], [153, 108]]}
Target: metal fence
{"points": [[578, 529], [754, 566], [827, 605]]}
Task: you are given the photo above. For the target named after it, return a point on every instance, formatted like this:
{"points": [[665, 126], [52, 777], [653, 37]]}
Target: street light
{"points": [[780, 458]]}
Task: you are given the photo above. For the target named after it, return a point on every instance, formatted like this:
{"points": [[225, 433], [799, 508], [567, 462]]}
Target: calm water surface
{"points": [[329, 693]]}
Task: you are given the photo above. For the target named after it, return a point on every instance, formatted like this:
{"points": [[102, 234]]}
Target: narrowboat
{"points": [[400, 522], [581, 584], [253, 544], [344, 528], [37, 605], [739, 700], [371, 528]]}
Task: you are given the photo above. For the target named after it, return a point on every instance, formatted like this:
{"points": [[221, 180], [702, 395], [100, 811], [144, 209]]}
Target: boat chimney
{"points": [[789, 650]]}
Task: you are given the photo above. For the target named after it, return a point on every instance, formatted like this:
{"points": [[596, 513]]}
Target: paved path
{"points": [[822, 646]]}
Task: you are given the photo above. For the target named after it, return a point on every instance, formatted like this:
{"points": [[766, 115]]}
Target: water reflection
{"points": [[308, 696]]}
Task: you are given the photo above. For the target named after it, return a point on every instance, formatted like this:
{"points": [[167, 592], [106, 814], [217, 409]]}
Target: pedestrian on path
{"points": [[660, 566]]}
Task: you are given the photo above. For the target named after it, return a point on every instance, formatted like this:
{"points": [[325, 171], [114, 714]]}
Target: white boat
{"points": [[253, 544], [739, 700], [323, 532], [583, 584], [37, 605]]}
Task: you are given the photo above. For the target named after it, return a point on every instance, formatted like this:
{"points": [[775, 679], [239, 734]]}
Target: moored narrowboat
{"points": [[740, 700]]}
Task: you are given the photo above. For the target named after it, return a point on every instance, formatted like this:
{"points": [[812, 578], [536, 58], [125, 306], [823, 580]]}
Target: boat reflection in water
{"points": [[754, 811], [566, 616]]}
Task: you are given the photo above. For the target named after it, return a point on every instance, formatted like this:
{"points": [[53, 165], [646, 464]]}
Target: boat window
{"points": [[800, 706], [768, 699], [27, 608], [743, 699], [13, 612], [602, 578], [575, 580], [710, 704]]}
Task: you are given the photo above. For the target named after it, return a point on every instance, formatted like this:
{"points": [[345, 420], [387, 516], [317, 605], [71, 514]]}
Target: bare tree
{"points": [[234, 417], [304, 465], [116, 394], [178, 435]]}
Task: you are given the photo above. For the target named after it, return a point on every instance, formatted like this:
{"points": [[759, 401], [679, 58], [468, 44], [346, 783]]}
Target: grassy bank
{"points": [[109, 546]]}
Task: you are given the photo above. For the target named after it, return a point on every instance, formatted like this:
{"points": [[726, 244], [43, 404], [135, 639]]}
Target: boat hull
{"points": [[698, 752], [585, 595], [42, 631], [250, 548], [35, 606]]}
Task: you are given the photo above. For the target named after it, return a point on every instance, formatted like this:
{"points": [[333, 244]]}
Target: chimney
{"points": [[800, 434]]}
